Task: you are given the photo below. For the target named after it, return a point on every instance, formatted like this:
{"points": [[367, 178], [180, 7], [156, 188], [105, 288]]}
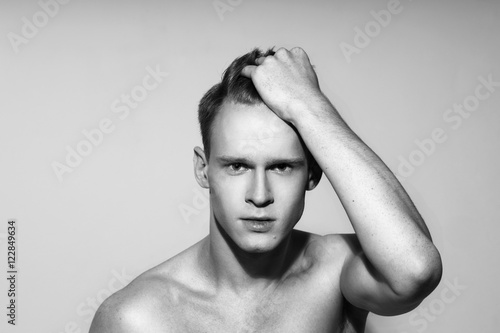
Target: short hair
{"points": [[233, 87]]}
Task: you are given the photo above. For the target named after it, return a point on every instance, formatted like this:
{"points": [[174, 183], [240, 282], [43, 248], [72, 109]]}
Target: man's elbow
{"points": [[422, 279]]}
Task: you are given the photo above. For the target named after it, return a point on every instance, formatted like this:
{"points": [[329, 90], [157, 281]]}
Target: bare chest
{"points": [[299, 310]]}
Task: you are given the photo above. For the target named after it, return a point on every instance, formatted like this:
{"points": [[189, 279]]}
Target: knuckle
{"points": [[297, 50], [281, 52], [259, 73], [267, 59]]}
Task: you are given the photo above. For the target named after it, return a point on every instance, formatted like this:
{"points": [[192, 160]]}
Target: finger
{"points": [[281, 52], [260, 60], [298, 51], [248, 71]]}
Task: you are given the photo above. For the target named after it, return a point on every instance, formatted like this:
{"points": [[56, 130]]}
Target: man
{"points": [[269, 133]]}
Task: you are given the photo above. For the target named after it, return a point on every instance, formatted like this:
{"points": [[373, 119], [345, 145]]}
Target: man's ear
{"points": [[200, 164], [315, 174]]}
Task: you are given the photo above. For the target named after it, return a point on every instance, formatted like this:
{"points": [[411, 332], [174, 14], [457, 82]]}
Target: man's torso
{"points": [[175, 297]]}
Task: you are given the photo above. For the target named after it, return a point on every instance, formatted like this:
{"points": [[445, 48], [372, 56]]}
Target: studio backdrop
{"points": [[98, 121]]}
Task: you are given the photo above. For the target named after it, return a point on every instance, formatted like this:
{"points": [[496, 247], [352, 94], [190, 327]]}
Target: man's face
{"points": [[258, 174]]}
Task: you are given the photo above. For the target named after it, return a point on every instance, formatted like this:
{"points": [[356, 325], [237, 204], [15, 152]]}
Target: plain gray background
{"points": [[132, 201]]}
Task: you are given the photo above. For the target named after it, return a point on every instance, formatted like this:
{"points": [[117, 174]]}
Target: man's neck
{"points": [[232, 268]]}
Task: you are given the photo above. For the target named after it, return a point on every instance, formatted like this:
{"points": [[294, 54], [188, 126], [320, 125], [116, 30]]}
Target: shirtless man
{"points": [[268, 134]]}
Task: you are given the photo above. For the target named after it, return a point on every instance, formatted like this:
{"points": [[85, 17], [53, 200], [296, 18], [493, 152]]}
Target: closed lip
{"points": [[256, 218], [258, 224]]}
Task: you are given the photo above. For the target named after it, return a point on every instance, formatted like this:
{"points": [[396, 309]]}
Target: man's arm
{"points": [[399, 264]]}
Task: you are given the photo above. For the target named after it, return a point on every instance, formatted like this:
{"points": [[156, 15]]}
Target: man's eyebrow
{"points": [[288, 160], [231, 159], [272, 161]]}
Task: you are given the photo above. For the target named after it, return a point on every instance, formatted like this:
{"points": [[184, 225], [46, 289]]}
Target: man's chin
{"points": [[259, 243], [245, 241]]}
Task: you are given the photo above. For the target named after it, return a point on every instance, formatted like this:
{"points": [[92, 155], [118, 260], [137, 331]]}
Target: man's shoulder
{"points": [[331, 246], [327, 254], [136, 306], [150, 300]]}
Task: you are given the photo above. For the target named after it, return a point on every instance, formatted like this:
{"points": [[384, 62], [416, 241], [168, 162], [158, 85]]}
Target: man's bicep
{"points": [[364, 288]]}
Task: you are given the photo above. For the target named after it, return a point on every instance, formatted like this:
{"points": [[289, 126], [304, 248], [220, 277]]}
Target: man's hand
{"points": [[286, 82]]}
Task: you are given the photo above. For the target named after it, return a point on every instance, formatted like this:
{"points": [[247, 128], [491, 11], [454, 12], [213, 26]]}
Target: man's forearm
{"points": [[392, 233]]}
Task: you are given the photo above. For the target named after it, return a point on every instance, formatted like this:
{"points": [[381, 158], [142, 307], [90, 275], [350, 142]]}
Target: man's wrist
{"points": [[317, 106]]}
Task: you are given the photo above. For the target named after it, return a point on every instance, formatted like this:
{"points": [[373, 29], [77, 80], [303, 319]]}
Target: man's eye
{"points": [[237, 167], [282, 167]]}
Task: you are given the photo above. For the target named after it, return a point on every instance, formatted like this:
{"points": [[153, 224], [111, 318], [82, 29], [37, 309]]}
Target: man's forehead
{"points": [[240, 129]]}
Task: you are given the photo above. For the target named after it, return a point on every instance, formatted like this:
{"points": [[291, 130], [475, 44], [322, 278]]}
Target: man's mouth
{"points": [[258, 218], [258, 224]]}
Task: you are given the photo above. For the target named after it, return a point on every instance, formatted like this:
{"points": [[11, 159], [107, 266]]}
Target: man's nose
{"points": [[259, 192]]}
